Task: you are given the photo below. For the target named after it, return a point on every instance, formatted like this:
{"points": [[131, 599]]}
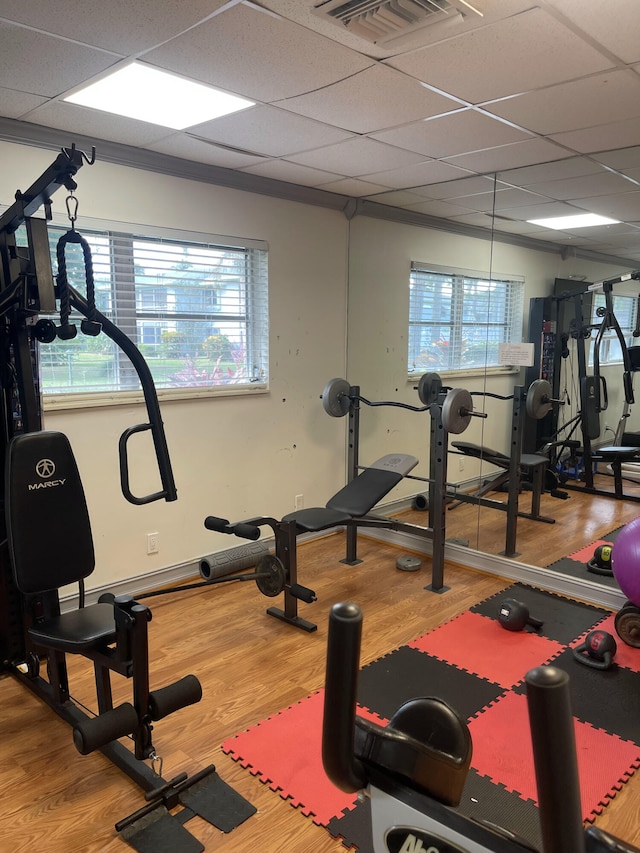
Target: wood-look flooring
{"points": [[252, 666]]}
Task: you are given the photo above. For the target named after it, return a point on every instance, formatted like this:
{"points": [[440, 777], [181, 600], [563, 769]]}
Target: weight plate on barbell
{"points": [[272, 583], [429, 388], [335, 398], [457, 410], [538, 403]]}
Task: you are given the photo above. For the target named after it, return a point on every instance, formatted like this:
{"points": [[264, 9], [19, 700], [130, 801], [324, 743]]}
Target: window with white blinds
{"points": [[457, 319], [197, 311]]}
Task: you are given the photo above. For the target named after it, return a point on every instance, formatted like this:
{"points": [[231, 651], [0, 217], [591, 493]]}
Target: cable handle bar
{"points": [[155, 425]]}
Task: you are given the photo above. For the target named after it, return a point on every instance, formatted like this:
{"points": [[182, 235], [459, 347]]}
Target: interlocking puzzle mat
{"points": [[478, 667]]}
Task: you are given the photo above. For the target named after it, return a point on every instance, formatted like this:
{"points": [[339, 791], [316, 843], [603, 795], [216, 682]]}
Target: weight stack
{"points": [[232, 560]]}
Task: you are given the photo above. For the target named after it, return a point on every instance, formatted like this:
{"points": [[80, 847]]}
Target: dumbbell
{"points": [[597, 651], [514, 616]]}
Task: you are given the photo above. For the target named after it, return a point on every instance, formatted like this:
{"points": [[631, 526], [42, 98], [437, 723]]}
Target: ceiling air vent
{"points": [[383, 20]]}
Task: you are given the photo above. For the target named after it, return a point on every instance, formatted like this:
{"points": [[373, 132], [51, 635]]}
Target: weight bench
{"points": [[615, 457], [350, 507], [532, 464], [358, 497]]}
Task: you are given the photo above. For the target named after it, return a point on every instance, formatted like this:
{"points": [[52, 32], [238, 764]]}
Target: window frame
{"points": [[513, 320], [53, 401]]}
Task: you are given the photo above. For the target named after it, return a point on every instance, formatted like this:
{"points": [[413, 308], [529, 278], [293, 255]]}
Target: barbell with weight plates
{"points": [[457, 409]]}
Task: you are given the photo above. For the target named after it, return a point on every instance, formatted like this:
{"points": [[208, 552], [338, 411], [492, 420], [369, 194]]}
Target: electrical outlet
{"points": [[461, 463], [299, 502], [153, 543]]}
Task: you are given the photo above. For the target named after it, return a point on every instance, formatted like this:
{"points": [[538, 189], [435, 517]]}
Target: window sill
{"points": [[471, 372], [63, 402]]}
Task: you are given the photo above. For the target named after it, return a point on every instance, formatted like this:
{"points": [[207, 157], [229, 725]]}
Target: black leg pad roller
{"points": [[174, 696], [95, 732]]}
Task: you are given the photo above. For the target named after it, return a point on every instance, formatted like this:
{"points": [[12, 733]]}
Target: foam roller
{"points": [[174, 696], [94, 732]]}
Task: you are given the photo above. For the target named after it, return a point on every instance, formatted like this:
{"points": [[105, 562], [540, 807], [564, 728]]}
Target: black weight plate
{"points": [[429, 388], [627, 624], [273, 581]]}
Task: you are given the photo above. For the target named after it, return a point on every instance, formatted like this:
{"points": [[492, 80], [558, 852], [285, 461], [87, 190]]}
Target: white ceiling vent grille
{"points": [[382, 20]]}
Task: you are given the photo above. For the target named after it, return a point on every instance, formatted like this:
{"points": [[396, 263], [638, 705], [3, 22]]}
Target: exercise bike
{"points": [[414, 769]]}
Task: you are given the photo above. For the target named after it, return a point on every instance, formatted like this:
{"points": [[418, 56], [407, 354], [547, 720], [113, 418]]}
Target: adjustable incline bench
{"points": [[530, 463], [350, 507]]}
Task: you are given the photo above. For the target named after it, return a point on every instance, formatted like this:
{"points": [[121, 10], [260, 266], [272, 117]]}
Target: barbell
{"points": [[457, 409], [538, 403]]}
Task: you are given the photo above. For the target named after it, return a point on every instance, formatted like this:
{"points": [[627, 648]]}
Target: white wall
{"points": [[232, 456]]}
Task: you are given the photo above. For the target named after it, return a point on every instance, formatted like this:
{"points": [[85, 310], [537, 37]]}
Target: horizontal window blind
{"points": [[198, 312], [458, 319]]}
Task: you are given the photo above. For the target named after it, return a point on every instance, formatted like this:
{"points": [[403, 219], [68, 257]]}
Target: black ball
{"points": [[602, 556]]}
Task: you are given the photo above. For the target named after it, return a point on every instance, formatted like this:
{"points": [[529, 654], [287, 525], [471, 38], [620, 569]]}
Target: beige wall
{"points": [[250, 455]]}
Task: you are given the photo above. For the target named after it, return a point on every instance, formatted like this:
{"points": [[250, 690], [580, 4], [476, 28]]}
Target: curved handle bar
{"points": [[168, 492], [338, 729]]}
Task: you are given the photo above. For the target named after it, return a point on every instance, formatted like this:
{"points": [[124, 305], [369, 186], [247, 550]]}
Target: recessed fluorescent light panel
{"points": [[580, 220], [148, 94]]}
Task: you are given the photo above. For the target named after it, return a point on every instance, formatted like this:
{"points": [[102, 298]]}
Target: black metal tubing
{"points": [[554, 753], [168, 492], [338, 730]]}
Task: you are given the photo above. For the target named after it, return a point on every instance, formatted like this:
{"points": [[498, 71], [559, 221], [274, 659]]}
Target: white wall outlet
{"points": [[153, 543], [299, 502]]}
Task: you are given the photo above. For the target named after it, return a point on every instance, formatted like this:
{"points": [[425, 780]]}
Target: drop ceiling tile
{"points": [[370, 100], [397, 198], [269, 130], [502, 200], [541, 211], [125, 26], [509, 156], [457, 188], [185, 146], [457, 133], [256, 55], [624, 206], [293, 173], [603, 137], [411, 177], [612, 96], [45, 65], [439, 208], [604, 183], [96, 124], [572, 167], [15, 104], [617, 31], [351, 187], [479, 219], [528, 51], [356, 158], [625, 158]]}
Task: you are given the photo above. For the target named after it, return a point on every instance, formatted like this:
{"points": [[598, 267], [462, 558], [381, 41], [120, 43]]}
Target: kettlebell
{"points": [[514, 616], [597, 651], [600, 563]]}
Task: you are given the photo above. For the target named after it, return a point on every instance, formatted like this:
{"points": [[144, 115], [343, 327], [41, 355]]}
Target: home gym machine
{"points": [[558, 319], [414, 768], [47, 541], [450, 412]]}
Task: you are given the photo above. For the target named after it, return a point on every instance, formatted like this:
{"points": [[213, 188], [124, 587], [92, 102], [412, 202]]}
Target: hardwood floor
{"points": [[251, 666]]}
